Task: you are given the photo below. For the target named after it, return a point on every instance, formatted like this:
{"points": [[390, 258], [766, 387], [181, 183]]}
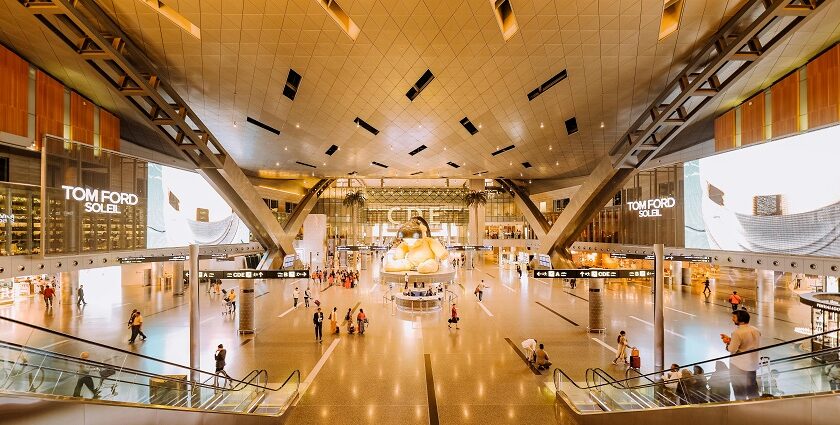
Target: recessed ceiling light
{"points": [[542, 125], [529, 181], [285, 148], [511, 163], [550, 147], [556, 162], [297, 125], [602, 124], [479, 125], [324, 163], [276, 164], [234, 123], [444, 148], [520, 174]]}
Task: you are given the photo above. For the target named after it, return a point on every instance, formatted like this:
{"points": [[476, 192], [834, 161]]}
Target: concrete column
{"points": [[658, 307], [178, 278], [676, 272], [195, 316], [686, 274], [69, 282], [765, 292], [245, 306], [596, 305], [157, 275]]}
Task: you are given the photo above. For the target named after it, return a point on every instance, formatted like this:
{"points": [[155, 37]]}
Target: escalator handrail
{"points": [[657, 373], [120, 350], [102, 365]]}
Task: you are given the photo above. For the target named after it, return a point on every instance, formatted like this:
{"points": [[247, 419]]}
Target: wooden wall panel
{"points": [[725, 131], [785, 105], [752, 120], [823, 75], [109, 130], [14, 93], [49, 108], [81, 119]]}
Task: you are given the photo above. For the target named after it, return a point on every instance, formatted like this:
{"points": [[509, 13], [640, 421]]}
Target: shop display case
{"points": [[7, 291]]}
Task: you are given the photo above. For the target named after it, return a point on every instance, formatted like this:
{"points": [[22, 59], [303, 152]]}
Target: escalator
{"points": [[48, 377], [792, 388]]}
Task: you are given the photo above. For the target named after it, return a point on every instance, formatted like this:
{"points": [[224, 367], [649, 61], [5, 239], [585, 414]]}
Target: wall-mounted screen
{"points": [[776, 197], [184, 209]]}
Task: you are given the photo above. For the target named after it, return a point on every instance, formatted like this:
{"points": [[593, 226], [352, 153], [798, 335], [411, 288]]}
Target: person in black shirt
{"points": [[318, 321]]}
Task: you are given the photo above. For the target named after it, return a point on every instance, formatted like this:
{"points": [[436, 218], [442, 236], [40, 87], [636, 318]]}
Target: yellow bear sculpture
{"points": [[417, 251]]}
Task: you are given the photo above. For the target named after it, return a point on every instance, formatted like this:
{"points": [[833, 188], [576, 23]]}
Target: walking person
{"points": [[334, 320], [85, 379], [454, 319], [49, 293], [706, 290], [232, 299], [479, 290], [306, 295], [622, 348], [135, 322], [348, 318], [405, 278], [219, 356], [80, 295], [519, 270], [295, 295], [743, 367], [318, 321], [363, 321], [735, 300]]}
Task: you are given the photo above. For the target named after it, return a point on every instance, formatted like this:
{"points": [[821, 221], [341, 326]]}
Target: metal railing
{"points": [[43, 362], [789, 374]]}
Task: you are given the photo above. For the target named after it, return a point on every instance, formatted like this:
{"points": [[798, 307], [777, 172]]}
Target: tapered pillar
{"points": [[596, 305], [178, 278], [69, 282], [195, 316], [245, 306], [658, 307]]}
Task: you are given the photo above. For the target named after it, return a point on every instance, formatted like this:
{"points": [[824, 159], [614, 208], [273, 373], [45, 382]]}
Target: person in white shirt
{"points": [[672, 380], [742, 367], [295, 295], [306, 295]]}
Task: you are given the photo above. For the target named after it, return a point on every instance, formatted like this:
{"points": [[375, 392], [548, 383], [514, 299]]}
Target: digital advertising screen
{"points": [[184, 209], [777, 197]]}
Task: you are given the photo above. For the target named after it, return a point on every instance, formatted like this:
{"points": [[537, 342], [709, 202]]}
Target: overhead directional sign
{"points": [[251, 274], [155, 259], [362, 248], [592, 273], [469, 248], [691, 258]]}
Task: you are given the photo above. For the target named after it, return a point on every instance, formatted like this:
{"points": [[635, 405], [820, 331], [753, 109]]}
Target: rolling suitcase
{"points": [[635, 360]]}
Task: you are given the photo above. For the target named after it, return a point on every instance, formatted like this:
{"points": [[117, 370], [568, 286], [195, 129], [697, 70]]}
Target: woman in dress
{"points": [[622, 348]]}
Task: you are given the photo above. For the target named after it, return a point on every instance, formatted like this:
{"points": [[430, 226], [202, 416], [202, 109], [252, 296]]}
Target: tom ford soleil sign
{"points": [[99, 201], [652, 207]]}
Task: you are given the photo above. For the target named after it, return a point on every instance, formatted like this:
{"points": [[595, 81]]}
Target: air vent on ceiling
{"points": [[360, 122], [671, 16], [421, 84], [292, 84], [421, 148], [571, 126], [505, 18], [341, 18], [263, 126], [352, 173], [526, 164], [331, 150], [305, 164], [416, 173], [379, 164], [469, 126], [547, 85], [503, 150], [453, 165], [480, 173]]}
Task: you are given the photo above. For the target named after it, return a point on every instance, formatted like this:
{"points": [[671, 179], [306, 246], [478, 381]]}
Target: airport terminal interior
{"points": [[419, 212]]}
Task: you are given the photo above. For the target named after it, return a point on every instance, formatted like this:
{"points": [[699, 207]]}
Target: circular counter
{"points": [[418, 303], [415, 279]]}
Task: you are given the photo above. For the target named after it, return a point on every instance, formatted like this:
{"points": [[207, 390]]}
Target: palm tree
{"points": [[354, 201], [476, 199]]}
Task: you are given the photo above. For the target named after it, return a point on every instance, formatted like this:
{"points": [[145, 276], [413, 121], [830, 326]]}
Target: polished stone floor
{"points": [[383, 376]]}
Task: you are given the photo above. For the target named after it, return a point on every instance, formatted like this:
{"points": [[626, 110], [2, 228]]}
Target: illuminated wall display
{"points": [[99, 201], [652, 207], [407, 212]]}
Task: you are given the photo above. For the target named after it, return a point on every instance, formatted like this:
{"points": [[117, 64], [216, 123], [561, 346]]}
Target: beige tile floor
{"points": [[380, 377]]}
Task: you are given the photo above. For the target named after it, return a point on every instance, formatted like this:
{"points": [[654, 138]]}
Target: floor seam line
{"points": [[434, 419], [561, 316]]}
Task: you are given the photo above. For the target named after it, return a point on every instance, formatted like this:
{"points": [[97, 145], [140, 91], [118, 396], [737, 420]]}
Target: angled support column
{"points": [[526, 206]]}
